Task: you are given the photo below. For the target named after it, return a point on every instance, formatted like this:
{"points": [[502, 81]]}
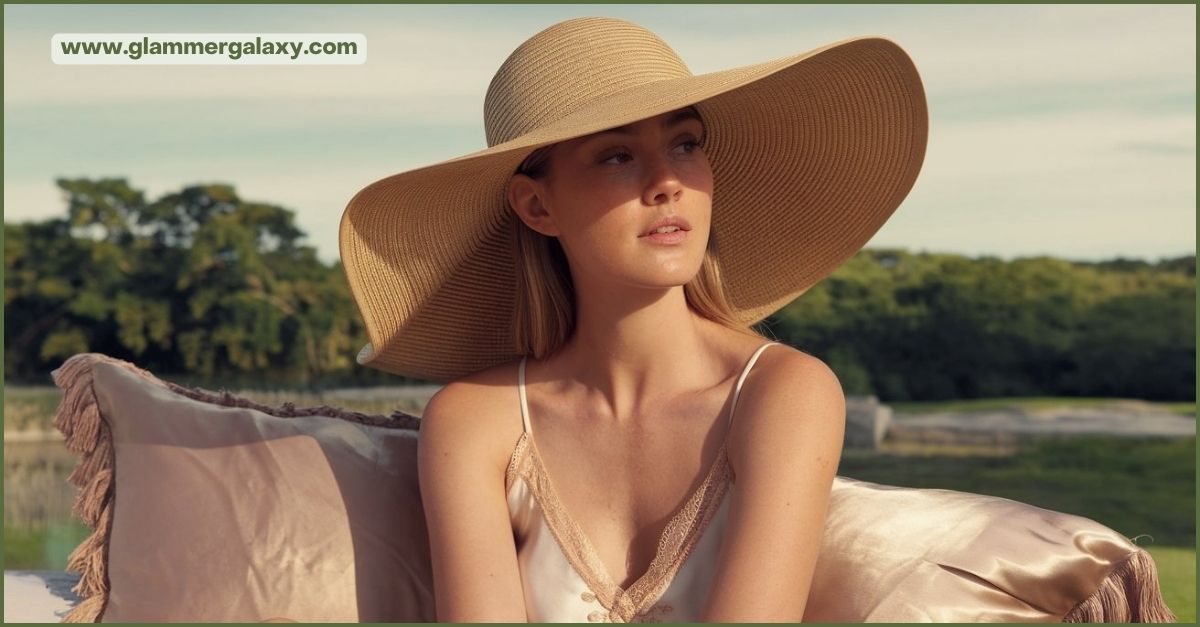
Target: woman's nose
{"points": [[663, 184]]}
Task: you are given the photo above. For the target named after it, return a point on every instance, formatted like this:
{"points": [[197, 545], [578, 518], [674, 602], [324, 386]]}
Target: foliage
{"points": [[198, 281], [930, 327], [201, 284]]}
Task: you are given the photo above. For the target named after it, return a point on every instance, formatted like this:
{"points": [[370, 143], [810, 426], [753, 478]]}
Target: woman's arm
{"points": [[785, 446], [475, 572]]}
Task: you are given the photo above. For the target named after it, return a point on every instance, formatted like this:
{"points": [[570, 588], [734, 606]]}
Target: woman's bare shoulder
{"points": [[778, 360], [784, 370], [465, 429], [479, 411], [788, 391]]}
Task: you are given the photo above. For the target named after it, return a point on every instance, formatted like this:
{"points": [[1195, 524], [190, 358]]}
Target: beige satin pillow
{"points": [[227, 513], [894, 554], [208, 508]]}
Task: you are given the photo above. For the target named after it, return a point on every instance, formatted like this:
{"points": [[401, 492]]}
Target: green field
{"points": [[1177, 576], [30, 408], [41, 549], [1030, 403]]}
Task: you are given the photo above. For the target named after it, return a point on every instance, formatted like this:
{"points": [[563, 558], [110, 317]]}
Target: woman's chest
{"points": [[623, 493], [563, 582]]}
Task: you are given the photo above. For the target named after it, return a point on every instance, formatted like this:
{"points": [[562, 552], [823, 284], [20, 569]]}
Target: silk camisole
{"points": [[562, 576]]}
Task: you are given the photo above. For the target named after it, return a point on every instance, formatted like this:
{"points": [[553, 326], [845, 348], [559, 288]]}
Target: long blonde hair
{"points": [[545, 304]]}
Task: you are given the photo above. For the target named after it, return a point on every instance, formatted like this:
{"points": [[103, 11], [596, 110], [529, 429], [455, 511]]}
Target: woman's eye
{"points": [[688, 146], [689, 143], [621, 157]]}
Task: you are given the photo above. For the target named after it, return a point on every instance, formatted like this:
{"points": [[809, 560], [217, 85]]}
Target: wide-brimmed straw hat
{"points": [[811, 153]]}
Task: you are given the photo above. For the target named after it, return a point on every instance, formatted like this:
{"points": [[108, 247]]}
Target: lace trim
{"points": [[683, 532], [675, 544], [514, 461]]}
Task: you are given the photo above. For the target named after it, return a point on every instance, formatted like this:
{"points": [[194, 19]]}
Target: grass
{"points": [[1177, 577], [42, 549], [1135, 486], [30, 408], [1034, 403]]}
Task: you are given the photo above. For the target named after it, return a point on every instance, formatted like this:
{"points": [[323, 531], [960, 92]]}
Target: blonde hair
{"points": [[545, 303]]}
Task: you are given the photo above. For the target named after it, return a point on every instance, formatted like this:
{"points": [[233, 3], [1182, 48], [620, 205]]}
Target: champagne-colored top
{"points": [[564, 579]]}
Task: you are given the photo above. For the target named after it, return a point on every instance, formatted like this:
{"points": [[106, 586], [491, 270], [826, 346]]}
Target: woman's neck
{"points": [[632, 348]]}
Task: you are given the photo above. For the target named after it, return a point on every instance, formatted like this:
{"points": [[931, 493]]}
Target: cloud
{"points": [[1168, 148], [1040, 114]]}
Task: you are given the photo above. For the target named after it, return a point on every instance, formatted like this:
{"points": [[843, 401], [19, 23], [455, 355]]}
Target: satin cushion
{"points": [[217, 512], [899, 554], [212, 508]]}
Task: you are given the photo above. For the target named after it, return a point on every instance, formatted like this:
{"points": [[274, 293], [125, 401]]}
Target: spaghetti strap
{"points": [[737, 390], [521, 392]]}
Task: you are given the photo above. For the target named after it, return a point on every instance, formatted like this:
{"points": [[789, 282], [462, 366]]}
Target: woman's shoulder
{"points": [[482, 386], [480, 410], [782, 360], [786, 371], [785, 388], [779, 361]]}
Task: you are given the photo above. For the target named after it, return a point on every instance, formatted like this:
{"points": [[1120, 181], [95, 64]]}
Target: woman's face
{"points": [[604, 191]]}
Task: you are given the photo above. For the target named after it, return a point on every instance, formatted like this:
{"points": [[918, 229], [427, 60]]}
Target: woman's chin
{"points": [[667, 277]]}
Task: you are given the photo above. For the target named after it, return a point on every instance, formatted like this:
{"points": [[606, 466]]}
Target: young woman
{"points": [[643, 454]]}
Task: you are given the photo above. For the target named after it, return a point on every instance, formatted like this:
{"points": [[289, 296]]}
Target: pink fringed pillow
{"points": [[209, 507]]}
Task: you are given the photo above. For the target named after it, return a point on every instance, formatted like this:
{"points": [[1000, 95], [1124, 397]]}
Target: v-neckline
{"points": [[675, 542]]}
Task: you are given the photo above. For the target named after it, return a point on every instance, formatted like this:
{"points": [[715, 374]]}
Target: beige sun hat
{"points": [[811, 153]]}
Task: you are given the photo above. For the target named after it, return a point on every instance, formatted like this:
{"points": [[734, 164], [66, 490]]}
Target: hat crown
{"points": [[564, 67]]}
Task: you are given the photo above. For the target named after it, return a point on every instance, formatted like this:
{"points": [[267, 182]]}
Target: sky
{"points": [[1063, 130]]}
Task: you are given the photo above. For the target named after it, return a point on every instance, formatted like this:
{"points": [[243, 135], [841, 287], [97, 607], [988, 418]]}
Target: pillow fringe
{"points": [[85, 432], [88, 611], [288, 409], [90, 465], [89, 504], [1130, 594]]}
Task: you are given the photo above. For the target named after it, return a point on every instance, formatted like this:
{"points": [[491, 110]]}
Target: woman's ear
{"points": [[524, 197]]}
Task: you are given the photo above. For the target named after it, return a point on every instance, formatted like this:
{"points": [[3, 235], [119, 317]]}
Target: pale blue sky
{"points": [[1066, 130]]}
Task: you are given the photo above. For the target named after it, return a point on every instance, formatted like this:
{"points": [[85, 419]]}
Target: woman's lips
{"points": [[673, 237]]}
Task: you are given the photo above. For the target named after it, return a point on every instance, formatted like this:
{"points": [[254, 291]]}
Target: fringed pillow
{"points": [[209, 507]]}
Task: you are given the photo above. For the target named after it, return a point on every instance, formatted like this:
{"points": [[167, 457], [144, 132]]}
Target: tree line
{"points": [[206, 288]]}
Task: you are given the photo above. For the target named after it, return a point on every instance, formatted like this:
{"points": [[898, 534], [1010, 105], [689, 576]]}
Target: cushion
{"points": [[210, 507], [895, 554]]}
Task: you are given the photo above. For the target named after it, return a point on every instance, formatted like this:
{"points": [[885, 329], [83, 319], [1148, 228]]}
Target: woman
{"points": [[597, 473]]}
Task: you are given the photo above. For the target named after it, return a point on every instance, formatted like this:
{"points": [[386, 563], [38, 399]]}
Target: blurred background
{"points": [[1024, 326]]}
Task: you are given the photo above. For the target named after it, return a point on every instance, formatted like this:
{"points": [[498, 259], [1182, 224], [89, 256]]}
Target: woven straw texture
{"points": [[811, 154]]}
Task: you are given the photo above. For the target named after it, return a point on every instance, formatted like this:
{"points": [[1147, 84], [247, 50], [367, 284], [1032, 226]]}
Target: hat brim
{"points": [[811, 154]]}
